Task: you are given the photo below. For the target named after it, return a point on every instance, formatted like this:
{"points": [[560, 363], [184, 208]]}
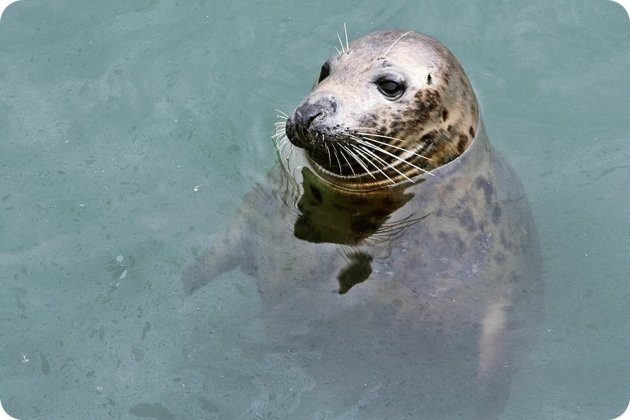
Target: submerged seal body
{"points": [[393, 242]]}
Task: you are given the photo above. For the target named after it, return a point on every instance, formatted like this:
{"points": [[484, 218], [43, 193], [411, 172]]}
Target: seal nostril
{"points": [[307, 113], [313, 118]]}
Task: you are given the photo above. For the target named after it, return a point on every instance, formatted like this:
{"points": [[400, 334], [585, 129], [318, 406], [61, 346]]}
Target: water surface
{"points": [[130, 131]]}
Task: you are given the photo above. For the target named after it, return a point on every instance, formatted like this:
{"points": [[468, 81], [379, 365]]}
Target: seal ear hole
{"points": [[429, 79], [324, 72]]}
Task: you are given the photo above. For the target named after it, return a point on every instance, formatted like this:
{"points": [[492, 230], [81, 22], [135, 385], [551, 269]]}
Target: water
{"points": [[131, 130]]}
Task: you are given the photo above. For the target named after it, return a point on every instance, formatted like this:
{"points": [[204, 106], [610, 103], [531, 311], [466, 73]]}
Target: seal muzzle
{"points": [[309, 120]]}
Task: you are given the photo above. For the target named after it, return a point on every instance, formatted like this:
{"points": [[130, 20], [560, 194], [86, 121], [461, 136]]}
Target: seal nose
{"points": [[307, 113], [308, 119]]}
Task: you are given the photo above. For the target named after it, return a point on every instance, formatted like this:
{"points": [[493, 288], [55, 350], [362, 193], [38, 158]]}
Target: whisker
{"points": [[342, 47], [281, 146], [379, 135], [364, 138], [387, 164], [328, 151], [394, 230], [345, 30], [395, 42], [280, 127], [378, 168], [283, 141], [279, 142], [358, 160], [276, 144], [279, 137], [343, 155], [389, 144], [338, 52], [338, 161], [283, 114], [378, 149], [353, 128]]}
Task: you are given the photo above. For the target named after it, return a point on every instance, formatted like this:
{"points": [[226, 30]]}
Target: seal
{"points": [[392, 241]]}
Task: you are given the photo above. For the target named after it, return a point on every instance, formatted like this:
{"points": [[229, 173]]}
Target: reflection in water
{"points": [[328, 214], [358, 269]]}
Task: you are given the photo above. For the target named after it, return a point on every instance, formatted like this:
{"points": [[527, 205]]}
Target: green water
{"points": [[130, 130]]}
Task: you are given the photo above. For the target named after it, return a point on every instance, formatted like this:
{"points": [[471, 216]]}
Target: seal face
{"points": [[395, 104], [393, 248]]}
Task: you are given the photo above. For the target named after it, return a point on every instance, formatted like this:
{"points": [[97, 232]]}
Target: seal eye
{"points": [[390, 88], [324, 72]]}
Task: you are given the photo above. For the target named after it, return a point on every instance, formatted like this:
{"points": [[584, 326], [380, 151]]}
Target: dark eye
{"points": [[324, 72], [391, 88]]}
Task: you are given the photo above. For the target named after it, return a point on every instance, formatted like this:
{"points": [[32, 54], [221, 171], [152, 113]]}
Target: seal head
{"points": [[394, 105]]}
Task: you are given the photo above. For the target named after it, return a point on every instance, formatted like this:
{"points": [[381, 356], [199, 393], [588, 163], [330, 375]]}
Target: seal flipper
{"points": [[247, 240], [495, 368], [223, 257]]}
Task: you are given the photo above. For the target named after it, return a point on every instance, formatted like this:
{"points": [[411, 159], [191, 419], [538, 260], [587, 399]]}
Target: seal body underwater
{"points": [[392, 246]]}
